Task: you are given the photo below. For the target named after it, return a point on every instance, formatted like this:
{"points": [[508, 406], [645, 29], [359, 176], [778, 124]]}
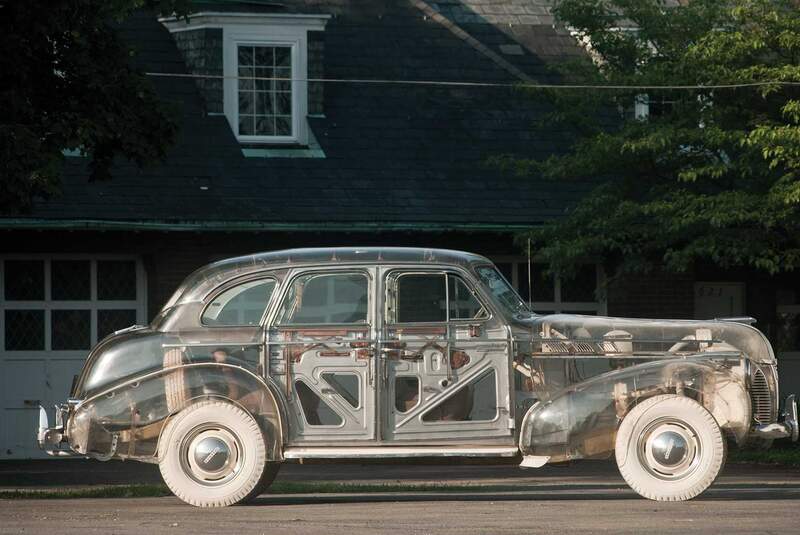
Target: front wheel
{"points": [[213, 454], [669, 448]]}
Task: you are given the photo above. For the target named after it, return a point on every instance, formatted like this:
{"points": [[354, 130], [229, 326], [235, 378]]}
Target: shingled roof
{"points": [[395, 156]]}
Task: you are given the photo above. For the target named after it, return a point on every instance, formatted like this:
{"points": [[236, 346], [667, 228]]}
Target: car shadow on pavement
{"points": [[726, 492]]}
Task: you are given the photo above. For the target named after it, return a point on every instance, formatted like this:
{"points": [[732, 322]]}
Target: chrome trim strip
{"points": [[378, 452]]}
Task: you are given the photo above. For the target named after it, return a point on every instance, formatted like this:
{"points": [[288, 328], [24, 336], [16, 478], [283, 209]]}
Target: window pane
{"points": [[70, 280], [463, 304], [421, 297], [24, 280], [283, 56], [116, 280], [247, 103], [283, 104], [265, 126], [246, 125], [582, 287], [245, 55], [265, 55], [70, 329], [406, 393], [316, 411], [24, 330], [328, 298], [474, 402], [345, 384], [109, 321], [283, 126], [241, 305]]}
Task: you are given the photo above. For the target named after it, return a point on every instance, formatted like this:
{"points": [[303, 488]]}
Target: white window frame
{"points": [[299, 55], [93, 304], [256, 29], [519, 271]]}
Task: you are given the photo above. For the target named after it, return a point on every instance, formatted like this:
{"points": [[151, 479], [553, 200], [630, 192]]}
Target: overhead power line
{"points": [[445, 83]]}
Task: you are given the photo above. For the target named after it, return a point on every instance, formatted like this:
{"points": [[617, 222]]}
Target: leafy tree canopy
{"points": [[66, 82], [713, 174]]}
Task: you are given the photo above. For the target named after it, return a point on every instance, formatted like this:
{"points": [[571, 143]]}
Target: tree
{"points": [[711, 175], [66, 82]]}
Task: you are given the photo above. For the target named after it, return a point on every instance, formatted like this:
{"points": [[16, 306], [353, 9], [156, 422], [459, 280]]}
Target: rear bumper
{"points": [[788, 428], [53, 440]]}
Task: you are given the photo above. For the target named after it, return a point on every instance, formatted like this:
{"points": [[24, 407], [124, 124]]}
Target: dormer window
{"points": [[264, 71], [264, 93]]}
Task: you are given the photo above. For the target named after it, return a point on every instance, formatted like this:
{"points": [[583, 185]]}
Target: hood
{"points": [[607, 335]]}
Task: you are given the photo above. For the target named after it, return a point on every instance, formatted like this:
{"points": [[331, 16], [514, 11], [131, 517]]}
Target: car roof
{"points": [[199, 283]]}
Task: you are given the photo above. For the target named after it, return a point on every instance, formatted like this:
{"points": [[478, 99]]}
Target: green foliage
{"points": [[712, 175], [66, 82]]}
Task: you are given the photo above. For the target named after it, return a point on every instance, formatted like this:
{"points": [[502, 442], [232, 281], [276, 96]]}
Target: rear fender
{"points": [[582, 421], [127, 420]]}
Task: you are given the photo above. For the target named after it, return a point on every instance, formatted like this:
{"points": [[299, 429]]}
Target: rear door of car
{"points": [[321, 349]]}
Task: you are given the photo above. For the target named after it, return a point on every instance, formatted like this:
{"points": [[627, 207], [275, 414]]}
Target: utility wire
{"points": [[475, 84]]}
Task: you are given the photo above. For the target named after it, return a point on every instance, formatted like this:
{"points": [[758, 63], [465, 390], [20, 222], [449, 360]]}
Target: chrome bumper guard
{"points": [[788, 428], [52, 439]]}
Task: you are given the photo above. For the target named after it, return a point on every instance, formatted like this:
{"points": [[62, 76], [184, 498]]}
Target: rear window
{"points": [[241, 305]]}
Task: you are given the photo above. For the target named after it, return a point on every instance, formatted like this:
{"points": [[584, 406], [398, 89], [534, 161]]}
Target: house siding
{"points": [[202, 51]]}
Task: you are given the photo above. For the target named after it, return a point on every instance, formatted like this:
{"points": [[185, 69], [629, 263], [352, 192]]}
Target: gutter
{"points": [[251, 226]]}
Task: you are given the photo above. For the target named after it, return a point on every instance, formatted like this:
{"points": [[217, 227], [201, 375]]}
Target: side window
{"points": [[423, 297], [463, 303], [240, 305], [326, 298]]}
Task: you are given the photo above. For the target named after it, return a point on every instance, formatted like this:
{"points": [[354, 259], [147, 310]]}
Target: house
{"points": [[293, 162]]}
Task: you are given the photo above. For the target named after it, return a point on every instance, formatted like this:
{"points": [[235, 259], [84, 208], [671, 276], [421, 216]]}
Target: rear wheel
{"points": [[213, 454], [669, 448]]}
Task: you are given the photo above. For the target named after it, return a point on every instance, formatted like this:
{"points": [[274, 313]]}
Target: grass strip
{"points": [[775, 456]]}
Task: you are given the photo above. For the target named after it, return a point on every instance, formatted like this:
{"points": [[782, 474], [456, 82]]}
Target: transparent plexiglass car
{"points": [[395, 353]]}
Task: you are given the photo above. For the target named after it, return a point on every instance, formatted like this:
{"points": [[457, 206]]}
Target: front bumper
{"points": [[53, 440], [788, 428]]}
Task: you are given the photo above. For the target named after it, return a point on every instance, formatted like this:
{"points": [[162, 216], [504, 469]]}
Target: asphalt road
{"points": [[582, 498]]}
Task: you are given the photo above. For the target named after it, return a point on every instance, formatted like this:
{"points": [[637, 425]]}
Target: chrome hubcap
{"points": [[211, 455], [669, 449]]}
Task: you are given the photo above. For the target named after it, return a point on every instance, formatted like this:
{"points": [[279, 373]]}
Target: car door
{"points": [[444, 360], [321, 348]]}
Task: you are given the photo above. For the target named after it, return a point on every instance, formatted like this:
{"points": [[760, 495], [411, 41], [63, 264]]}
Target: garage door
{"points": [[53, 309]]}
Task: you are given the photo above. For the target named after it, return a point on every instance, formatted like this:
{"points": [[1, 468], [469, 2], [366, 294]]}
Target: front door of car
{"points": [[443, 360], [321, 349]]}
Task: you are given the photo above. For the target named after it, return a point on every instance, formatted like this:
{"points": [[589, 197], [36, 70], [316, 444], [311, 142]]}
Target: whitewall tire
{"points": [[669, 448], [213, 454]]}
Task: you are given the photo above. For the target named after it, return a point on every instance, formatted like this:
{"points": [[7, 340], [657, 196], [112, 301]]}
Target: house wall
{"points": [[655, 295]]}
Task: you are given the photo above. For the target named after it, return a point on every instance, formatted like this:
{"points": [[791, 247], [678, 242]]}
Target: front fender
{"points": [[581, 421], [127, 420]]}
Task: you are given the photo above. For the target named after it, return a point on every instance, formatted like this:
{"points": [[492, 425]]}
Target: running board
{"points": [[383, 452]]}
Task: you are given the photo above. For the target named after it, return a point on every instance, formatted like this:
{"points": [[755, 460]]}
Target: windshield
{"points": [[502, 290]]}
